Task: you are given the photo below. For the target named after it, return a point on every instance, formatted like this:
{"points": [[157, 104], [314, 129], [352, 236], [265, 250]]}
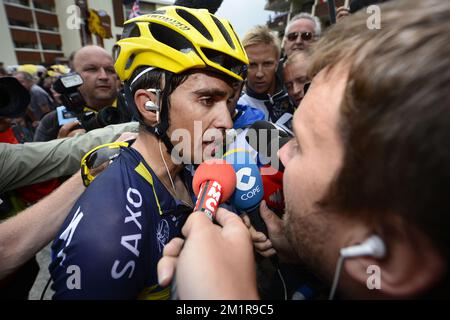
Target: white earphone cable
{"points": [[337, 274], [167, 168]]}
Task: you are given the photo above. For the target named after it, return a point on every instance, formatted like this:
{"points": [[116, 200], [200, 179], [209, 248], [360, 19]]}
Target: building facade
{"points": [[284, 10], [47, 31]]}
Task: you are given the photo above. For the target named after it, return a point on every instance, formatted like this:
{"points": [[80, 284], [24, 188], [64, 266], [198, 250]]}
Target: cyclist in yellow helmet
{"points": [[179, 66], [163, 49]]}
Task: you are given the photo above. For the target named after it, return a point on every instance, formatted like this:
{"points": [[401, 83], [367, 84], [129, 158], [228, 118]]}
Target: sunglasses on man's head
{"points": [[306, 36]]}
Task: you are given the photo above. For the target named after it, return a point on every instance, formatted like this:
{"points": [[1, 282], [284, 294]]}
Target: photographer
{"points": [[99, 89], [22, 235]]}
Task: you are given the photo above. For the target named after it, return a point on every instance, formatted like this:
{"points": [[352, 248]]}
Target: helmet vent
{"points": [[224, 32], [170, 38], [225, 61], [130, 61], [131, 30], [195, 23], [234, 32]]}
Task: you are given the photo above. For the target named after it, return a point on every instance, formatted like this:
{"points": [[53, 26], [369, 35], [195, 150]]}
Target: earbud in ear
{"points": [[373, 247], [151, 106]]}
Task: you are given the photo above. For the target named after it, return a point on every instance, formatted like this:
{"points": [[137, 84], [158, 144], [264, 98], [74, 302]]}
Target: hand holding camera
{"points": [[74, 105]]}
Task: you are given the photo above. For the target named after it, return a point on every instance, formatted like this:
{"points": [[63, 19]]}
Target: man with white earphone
{"points": [[366, 180]]}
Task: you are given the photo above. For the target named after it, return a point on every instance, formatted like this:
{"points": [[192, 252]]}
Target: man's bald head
{"points": [[86, 53], [96, 67]]}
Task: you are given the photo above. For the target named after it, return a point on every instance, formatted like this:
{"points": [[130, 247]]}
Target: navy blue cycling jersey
{"points": [[110, 243]]}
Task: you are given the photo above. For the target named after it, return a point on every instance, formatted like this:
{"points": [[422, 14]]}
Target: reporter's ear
{"points": [[141, 97], [412, 266]]}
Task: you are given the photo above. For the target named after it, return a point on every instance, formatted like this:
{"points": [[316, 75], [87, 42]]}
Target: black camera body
{"points": [[67, 85], [104, 117]]}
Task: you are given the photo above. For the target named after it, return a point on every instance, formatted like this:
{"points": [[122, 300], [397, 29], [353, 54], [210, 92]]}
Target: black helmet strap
{"points": [[160, 130]]}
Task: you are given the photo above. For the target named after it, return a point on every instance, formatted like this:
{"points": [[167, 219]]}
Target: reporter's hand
{"points": [[342, 12], [68, 130], [126, 136], [214, 262], [277, 242], [167, 264], [262, 244]]}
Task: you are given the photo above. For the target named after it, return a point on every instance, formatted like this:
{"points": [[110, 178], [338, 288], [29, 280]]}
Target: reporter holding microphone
{"points": [[211, 243], [214, 182]]}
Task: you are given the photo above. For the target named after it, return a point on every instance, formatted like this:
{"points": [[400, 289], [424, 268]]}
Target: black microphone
{"points": [[267, 138]]}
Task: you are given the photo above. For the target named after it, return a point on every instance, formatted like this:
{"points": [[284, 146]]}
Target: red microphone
{"points": [[214, 183], [273, 191]]}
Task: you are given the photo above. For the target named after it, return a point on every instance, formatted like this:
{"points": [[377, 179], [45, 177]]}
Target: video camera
{"points": [[67, 85]]}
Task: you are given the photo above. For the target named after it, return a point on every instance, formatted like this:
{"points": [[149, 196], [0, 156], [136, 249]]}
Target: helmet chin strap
{"points": [[162, 135], [160, 130]]}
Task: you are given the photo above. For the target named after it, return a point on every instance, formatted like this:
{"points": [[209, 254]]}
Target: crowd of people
{"points": [[365, 171]]}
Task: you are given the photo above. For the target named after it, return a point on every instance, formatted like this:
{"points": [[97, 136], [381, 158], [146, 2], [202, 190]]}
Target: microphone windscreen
{"points": [[273, 192], [215, 170], [249, 189], [263, 136]]}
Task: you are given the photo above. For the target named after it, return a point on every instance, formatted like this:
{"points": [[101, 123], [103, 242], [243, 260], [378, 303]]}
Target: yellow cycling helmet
{"points": [[57, 69], [177, 39], [28, 68]]}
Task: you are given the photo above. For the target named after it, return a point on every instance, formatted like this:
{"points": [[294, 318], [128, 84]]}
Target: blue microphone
{"points": [[249, 186], [249, 190]]}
